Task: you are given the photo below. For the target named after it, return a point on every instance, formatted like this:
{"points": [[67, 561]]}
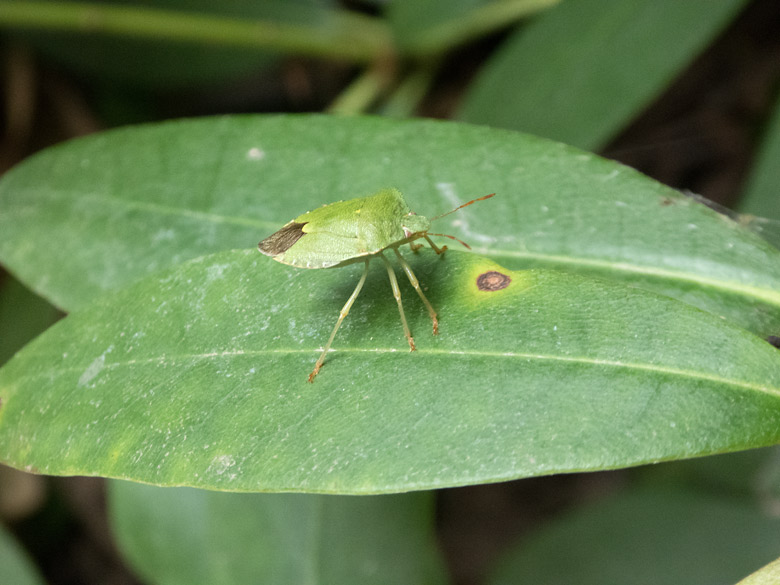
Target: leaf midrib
{"points": [[645, 367], [765, 294]]}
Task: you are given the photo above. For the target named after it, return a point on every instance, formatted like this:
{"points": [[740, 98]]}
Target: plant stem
{"points": [[475, 23], [339, 34], [365, 89], [406, 98]]}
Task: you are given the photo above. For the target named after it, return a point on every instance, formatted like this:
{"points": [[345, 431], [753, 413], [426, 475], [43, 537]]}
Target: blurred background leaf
{"points": [[762, 193], [437, 25], [181, 535], [582, 71], [23, 315], [15, 566], [643, 537]]}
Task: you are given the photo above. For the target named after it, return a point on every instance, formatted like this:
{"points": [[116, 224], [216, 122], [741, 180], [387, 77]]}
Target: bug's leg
{"points": [[413, 279], [435, 247], [344, 313], [397, 295]]}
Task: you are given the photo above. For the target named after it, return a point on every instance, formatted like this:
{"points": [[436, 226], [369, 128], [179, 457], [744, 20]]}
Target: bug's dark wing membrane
{"points": [[282, 240]]}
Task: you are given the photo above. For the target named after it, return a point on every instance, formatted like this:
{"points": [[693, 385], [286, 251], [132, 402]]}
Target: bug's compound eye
{"points": [[492, 281]]}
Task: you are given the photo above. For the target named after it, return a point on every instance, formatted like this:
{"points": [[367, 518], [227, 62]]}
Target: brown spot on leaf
{"points": [[282, 240], [774, 340], [493, 281], [666, 201]]}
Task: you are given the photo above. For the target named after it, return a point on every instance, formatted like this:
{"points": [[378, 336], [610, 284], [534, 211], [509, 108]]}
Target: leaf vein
{"points": [[765, 294], [592, 361]]}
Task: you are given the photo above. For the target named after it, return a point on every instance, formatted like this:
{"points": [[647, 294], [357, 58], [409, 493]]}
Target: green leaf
{"points": [[15, 566], [754, 473], [769, 575], [23, 315], [186, 536], [437, 25], [97, 213], [198, 377], [582, 71], [647, 537], [761, 194]]}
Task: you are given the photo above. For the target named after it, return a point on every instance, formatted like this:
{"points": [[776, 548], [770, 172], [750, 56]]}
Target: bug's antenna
{"points": [[461, 207]]}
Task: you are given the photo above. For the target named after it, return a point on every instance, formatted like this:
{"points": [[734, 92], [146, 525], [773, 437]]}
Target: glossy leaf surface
{"points": [[97, 213], [186, 536], [198, 377]]}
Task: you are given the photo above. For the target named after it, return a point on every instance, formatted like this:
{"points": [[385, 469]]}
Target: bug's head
{"points": [[415, 224]]}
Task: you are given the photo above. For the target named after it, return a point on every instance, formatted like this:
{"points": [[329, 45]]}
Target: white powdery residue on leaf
{"points": [[255, 153], [215, 272], [163, 235], [293, 332], [265, 324], [221, 464], [447, 190], [94, 368]]}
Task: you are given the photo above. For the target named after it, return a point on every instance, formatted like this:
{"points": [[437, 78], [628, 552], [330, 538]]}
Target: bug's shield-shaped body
{"points": [[345, 232], [354, 231]]}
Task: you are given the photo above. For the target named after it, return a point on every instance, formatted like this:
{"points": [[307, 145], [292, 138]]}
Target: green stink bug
{"points": [[357, 230]]}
